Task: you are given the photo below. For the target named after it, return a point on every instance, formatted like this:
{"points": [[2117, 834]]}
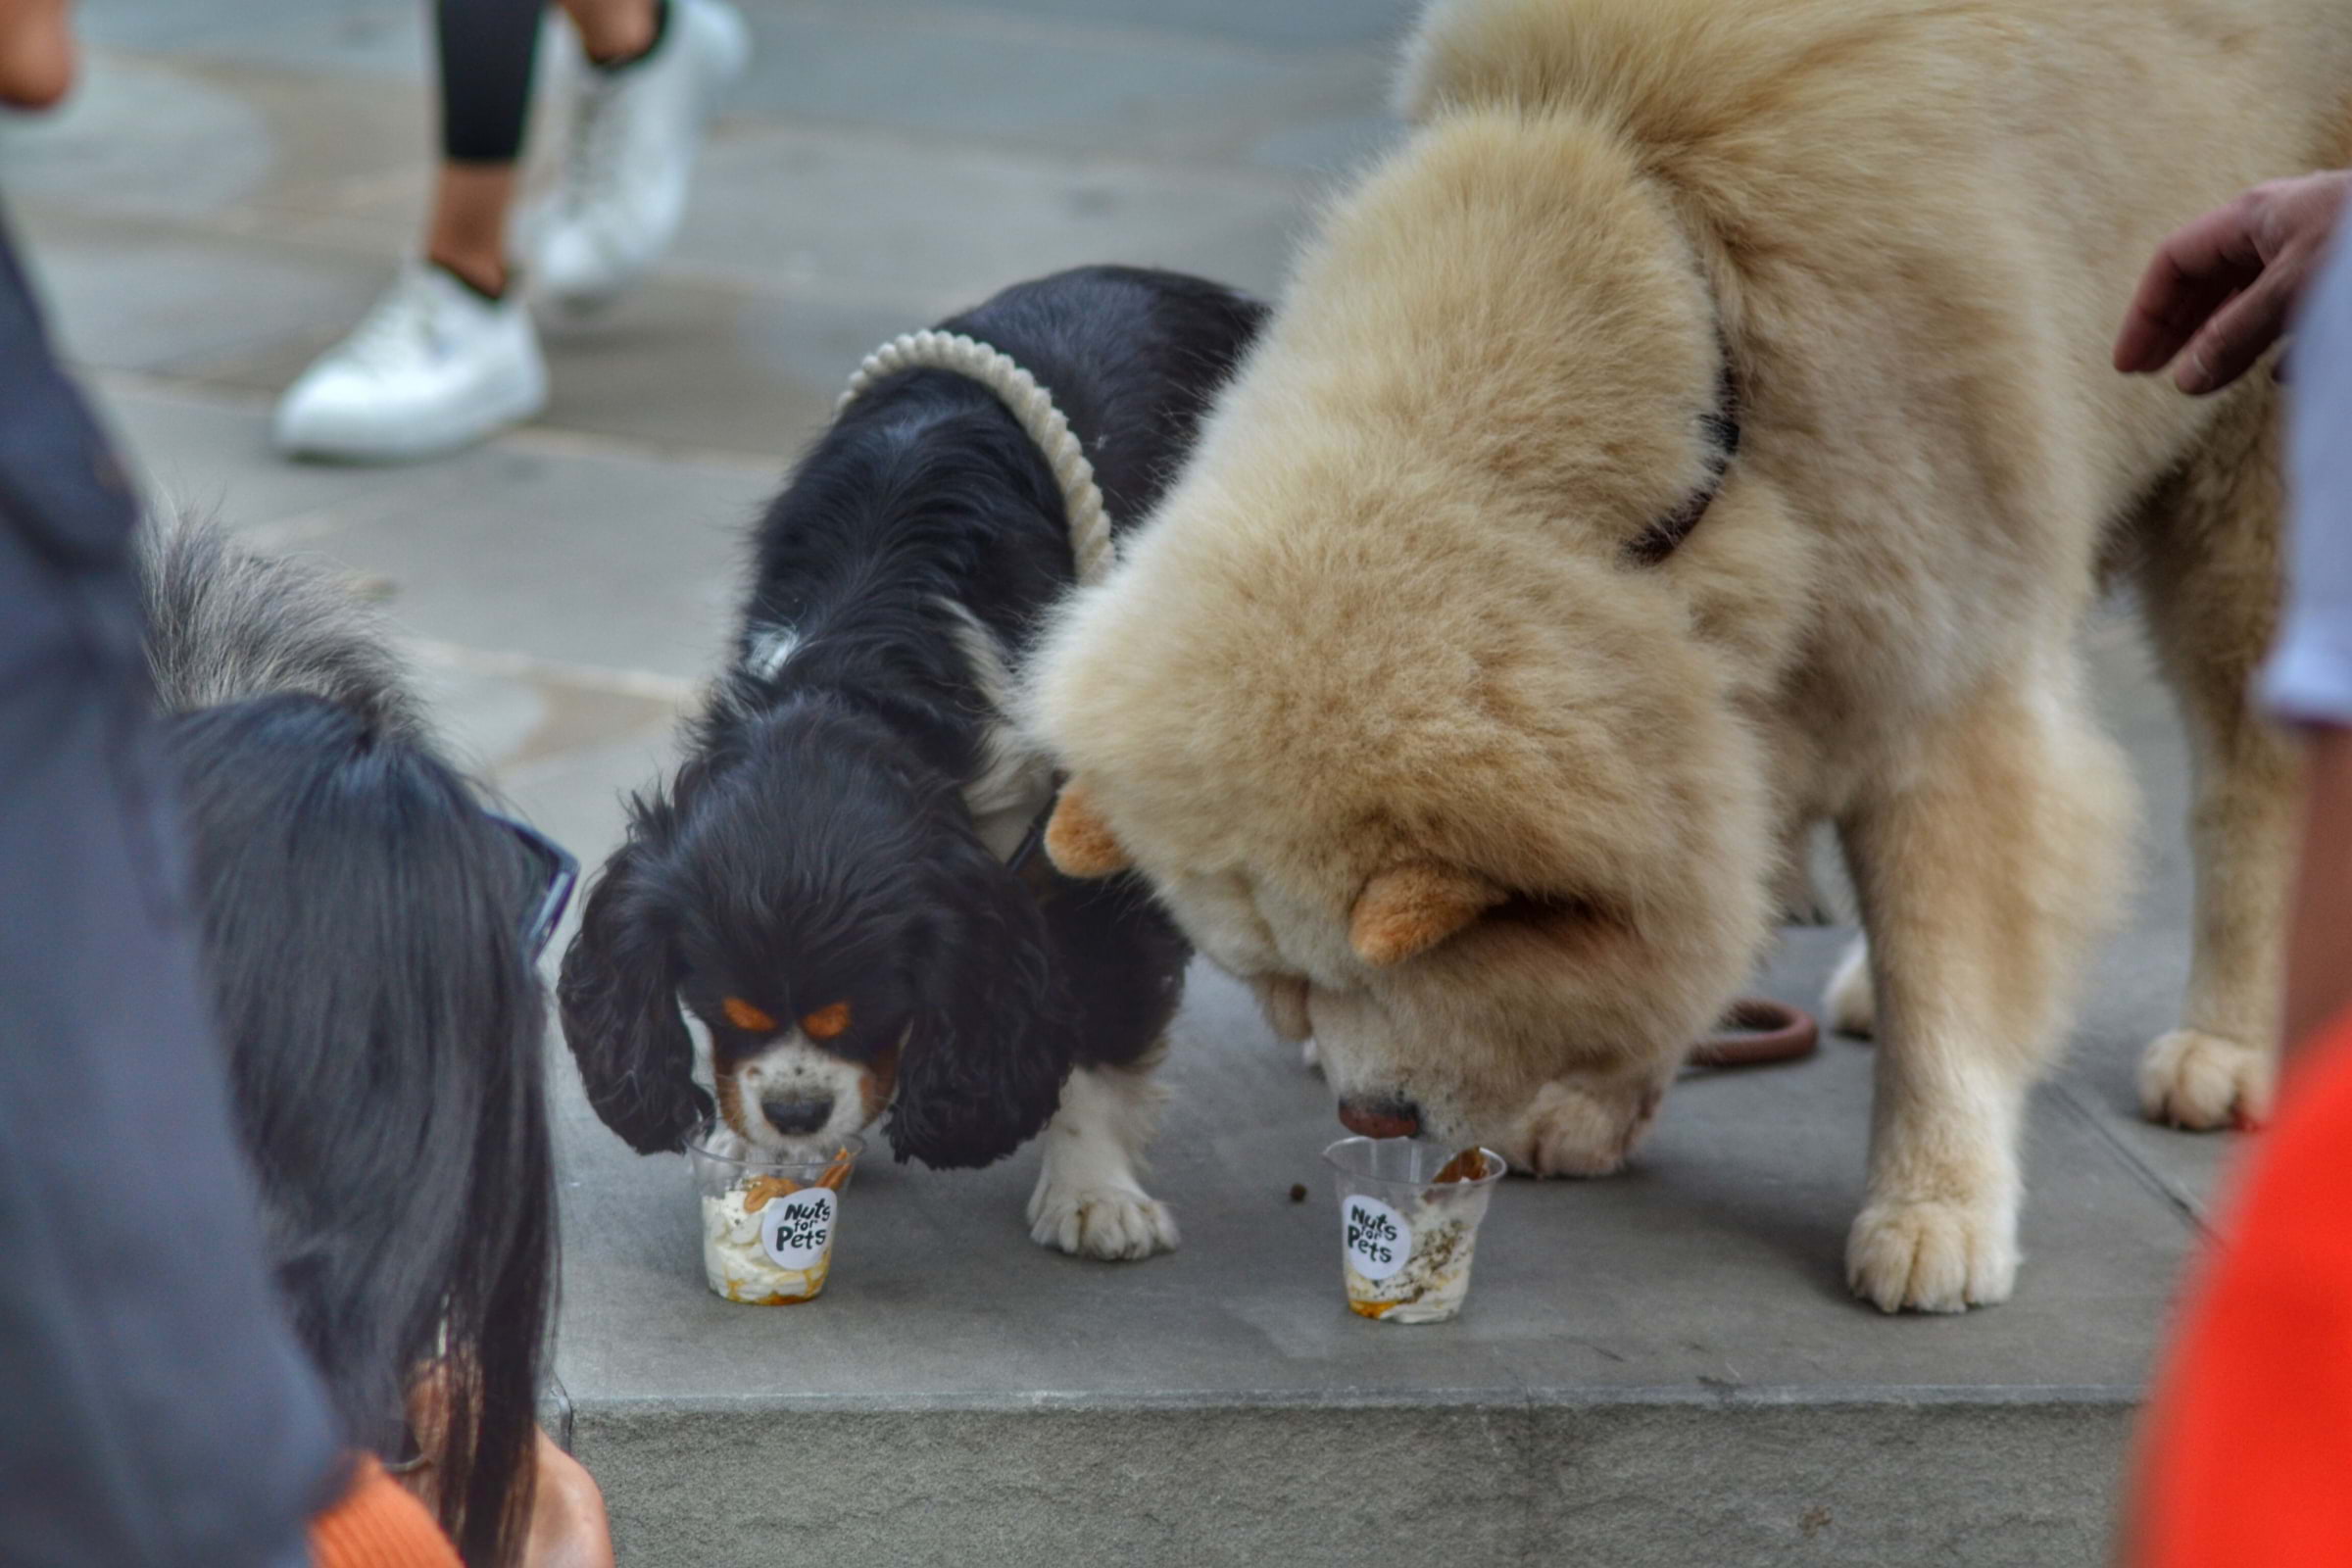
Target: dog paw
{"points": [[1929, 1256], [2191, 1079], [1850, 1005], [1117, 1225], [1310, 1056], [1572, 1130]]}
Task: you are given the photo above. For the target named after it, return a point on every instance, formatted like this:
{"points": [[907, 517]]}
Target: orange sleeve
{"points": [[380, 1524], [2250, 1435]]}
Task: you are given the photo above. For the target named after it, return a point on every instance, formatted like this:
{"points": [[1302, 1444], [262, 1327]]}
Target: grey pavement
{"points": [[1661, 1368]]}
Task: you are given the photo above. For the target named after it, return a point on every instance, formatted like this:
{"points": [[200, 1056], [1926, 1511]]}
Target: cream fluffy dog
{"points": [[1422, 713]]}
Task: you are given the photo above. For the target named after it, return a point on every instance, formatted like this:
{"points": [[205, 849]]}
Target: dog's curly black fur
{"points": [[820, 847]]}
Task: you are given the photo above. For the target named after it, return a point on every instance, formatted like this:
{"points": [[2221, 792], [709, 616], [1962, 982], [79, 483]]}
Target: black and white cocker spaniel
{"points": [[835, 911]]}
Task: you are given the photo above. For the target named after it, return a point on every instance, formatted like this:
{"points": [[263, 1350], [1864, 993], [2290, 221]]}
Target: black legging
{"points": [[487, 51]]}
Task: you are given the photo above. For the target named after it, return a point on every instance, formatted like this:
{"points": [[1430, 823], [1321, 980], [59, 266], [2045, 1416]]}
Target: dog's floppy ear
{"points": [[1080, 843], [1407, 910], [618, 995], [992, 1039]]}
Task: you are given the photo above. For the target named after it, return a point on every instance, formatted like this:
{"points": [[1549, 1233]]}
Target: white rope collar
{"points": [[1030, 403]]}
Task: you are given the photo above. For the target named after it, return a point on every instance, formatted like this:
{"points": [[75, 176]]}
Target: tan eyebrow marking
{"points": [[825, 1023], [743, 1015]]}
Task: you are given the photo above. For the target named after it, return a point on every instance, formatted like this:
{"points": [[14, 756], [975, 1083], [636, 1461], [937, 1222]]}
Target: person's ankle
{"points": [[623, 47], [488, 279]]}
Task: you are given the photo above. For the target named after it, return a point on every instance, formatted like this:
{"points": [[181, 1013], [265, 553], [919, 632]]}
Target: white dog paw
{"points": [[1118, 1225], [2191, 1079], [1851, 1005], [1929, 1256], [1310, 1056]]}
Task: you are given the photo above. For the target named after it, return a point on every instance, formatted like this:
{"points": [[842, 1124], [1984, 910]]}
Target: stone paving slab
{"points": [[1660, 1481], [1661, 1368], [836, 214], [1713, 1264], [230, 256], [1223, 77]]}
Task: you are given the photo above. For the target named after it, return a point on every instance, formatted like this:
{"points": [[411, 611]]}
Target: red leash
{"points": [[1757, 1032]]}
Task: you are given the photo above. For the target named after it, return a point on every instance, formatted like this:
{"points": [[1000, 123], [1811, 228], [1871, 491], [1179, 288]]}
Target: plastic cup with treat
{"points": [[1409, 1212], [769, 1224]]}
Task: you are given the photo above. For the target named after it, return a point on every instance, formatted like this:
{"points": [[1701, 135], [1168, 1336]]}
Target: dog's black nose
{"points": [[1384, 1116], [798, 1116]]}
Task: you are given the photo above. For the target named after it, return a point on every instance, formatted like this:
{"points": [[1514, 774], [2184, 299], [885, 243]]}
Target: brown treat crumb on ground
{"points": [[1298, 1192]]}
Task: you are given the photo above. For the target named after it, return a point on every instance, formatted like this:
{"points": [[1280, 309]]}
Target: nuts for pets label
{"points": [[797, 1229], [1377, 1238]]}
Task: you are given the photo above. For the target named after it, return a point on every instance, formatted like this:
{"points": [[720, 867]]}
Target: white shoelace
{"points": [[599, 137]]}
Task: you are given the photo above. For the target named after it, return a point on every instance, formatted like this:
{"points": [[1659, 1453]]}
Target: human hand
{"points": [[2219, 291]]}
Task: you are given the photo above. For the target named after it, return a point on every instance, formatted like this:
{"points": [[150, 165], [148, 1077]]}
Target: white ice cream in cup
{"points": [[769, 1224], [1406, 1238]]}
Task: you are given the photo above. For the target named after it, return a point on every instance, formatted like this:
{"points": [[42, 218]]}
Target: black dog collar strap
{"points": [[1664, 537]]}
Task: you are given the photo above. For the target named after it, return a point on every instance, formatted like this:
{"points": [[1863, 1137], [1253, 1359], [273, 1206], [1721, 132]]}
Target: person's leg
{"points": [[487, 51], [613, 33], [468, 232]]}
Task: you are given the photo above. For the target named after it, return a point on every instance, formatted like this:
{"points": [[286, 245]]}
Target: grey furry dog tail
{"points": [[225, 623]]}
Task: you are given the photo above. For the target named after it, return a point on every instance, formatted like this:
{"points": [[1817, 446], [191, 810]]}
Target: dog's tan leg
{"points": [[1985, 861], [2209, 582]]}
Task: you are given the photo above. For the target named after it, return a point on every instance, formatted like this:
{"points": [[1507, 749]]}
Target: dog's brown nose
{"points": [[1387, 1117]]}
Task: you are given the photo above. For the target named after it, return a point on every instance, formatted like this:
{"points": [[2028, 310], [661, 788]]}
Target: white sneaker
{"points": [[634, 133], [432, 367]]}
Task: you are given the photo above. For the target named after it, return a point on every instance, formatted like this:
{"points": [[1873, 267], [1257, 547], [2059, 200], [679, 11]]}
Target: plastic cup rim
{"points": [[851, 1144], [1497, 1165]]}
